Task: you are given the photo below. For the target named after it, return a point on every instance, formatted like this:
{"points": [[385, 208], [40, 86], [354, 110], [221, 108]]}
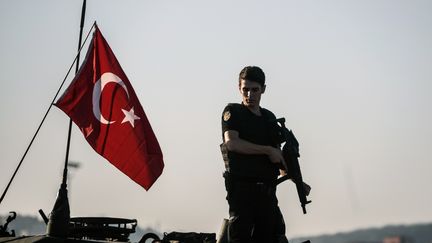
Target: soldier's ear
{"points": [[263, 89]]}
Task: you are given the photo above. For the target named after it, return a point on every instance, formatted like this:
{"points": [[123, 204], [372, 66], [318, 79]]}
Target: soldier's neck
{"points": [[256, 110]]}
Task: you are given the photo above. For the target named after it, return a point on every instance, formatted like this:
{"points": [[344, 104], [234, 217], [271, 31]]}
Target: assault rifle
{"points": [[290, 152]]}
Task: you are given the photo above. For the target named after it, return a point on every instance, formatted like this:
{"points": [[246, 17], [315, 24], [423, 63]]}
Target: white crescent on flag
{"points": [[97, 91]]}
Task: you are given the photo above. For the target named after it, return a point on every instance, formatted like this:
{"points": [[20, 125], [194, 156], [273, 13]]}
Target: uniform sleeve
{"points": [[229, 119]]}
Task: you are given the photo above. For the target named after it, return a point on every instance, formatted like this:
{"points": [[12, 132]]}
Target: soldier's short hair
{"points": [[252, 73]]}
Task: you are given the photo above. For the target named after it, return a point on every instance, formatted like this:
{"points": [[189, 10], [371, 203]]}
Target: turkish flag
{"points": [[102, 103]]}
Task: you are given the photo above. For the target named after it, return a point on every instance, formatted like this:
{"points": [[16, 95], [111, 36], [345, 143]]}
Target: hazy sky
{"points": [[352, 78]]}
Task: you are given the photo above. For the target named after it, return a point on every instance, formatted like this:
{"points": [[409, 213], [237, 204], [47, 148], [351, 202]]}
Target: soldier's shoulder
{"points": [[233, 107], [231, 110], [268, 113]]}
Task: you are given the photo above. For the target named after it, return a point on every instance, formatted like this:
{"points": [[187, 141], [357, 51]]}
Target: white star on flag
{"points": [[130, 117]]}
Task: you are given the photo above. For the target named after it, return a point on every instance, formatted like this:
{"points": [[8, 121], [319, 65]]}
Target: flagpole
{"points": [[76, 71], [58, 223]]}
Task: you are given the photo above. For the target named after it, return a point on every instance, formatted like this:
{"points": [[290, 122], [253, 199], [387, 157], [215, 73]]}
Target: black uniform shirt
{"points": [[255, 129]]}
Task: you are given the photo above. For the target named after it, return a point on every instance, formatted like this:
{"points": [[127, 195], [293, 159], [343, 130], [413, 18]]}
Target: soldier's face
{"points": [[251, 93]]}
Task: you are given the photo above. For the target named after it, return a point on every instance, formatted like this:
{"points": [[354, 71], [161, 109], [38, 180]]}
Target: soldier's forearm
{"points": [[241, 146]]}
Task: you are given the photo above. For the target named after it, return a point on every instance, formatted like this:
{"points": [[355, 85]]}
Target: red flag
{"points": [[102, 103]]}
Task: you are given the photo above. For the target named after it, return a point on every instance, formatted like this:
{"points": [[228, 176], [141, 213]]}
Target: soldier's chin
{"points": [[250, 103]]}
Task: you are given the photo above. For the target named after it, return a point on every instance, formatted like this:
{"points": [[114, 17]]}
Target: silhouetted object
{"points": [[291, 154], [3, 229], [43, 215], [101, 228], [58, 224]]}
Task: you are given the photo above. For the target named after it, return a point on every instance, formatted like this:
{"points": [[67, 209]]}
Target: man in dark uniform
{"points": [[252, 159]]}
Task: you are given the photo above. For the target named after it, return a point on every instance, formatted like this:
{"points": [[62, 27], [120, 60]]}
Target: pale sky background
{"points": [[352, 78]]}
